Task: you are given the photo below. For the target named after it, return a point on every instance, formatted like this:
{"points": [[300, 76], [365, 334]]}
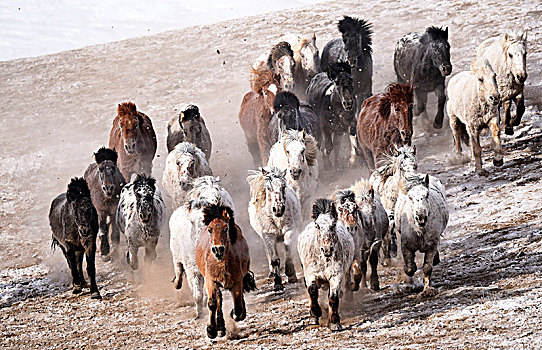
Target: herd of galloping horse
{"points": [[299, 108]]}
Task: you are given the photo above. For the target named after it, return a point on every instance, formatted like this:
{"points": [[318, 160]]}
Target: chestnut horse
{"points": [[385, 120], [223, 259], [256, 113], [132, 137]]}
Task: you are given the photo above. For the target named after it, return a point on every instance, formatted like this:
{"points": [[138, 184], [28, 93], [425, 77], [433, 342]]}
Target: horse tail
{"points": [[54, 244], [249, 284], [463, 133]]}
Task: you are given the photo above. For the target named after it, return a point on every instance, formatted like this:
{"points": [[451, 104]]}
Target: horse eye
{"points": [[510, 55], [481, 80]]}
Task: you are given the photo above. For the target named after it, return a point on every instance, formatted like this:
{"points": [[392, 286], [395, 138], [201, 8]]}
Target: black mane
{"points": [[191, 112], [77, 189], [285, 98], [104, 154], [213, 211], [344, 194], [323, 206], [336, 68], [281, 49], [349, 26], [437, 34], [142, 179]]}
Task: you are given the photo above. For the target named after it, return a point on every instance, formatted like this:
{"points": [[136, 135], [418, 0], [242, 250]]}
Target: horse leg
{"points": [[220, 324], [179, 269], [369, 159], [363, 270], [506, 106], [270, 243], [254, 149], [316, 310], [334, 322], [520, 109], [72, 263], [90, 254], [115, 236], [150, 251], [476, 151], [131, 255], [456, 125], [353, 144], [196, 284], [212, 304], [348, 285], [496, 137], [410, 263], [441, 98], [264, 148], [373, 259], [420, 100], [428, 290], [289, 268], [356, 273], [79, 255], [337, 141], [328, 148], [104, 237], [239, 311]]}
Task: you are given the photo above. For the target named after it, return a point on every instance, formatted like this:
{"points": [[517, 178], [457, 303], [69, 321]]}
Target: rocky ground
{"points": [[57, 110]]}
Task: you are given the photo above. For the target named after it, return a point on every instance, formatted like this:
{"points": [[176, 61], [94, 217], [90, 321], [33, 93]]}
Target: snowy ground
{"points": [[57, 110]]}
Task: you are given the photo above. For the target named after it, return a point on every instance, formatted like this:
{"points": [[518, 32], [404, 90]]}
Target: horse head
{"points": [[129, 125], [187, 162], [365, 198], [356, 35], [310, 57], [515, 50], [300, 149], [84, 213], [401, 99], [286, 108], [281, 61], [221, 228], [144, 188], [347, 207], [343, 84], [438, 48], [106, 159], [275, 187], [324, 215], [190, 122], [487, 81], [416, 187]]}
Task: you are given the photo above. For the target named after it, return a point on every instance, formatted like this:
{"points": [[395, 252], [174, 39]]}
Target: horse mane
{"points": [[190, 112], [257, 179], [127, 108], [311, 148], [283, 48], [104, 154], [212, 212], [436, 34], [142, 179], [188, 147], [323, 206], [285, 98], [260, 79], [395, 93], [336, 68], [411, 180], [77, 189], [342, 194], [349, 26], [363, 190]]}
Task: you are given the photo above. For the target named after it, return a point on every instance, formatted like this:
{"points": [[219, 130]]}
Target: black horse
{"points": [[354, 48], [74, 222], [331, 95], [289, 113], [423, 60]]}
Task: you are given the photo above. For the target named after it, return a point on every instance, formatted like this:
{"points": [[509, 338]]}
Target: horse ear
{"points": [[314, 38], [372, 193], [446, 33], [284, 172], [264, 172], [426, 180], [505, 38], [474, 66], [523, 35], [304, 134], [414, 149], [181, 117], [225, 214]]}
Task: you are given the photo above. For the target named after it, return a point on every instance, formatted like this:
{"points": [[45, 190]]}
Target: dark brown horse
{"points": [[105, 183], [256, 113], [223, 259], [385, 120], [132, 137]]}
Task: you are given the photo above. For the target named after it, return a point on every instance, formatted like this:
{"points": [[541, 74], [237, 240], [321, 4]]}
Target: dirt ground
{"points": [[57, 110]]}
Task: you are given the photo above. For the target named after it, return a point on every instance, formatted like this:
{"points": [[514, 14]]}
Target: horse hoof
{"points": [[96, 296], [498, 162], [437, 124], [278, 287], [314, 321], [177, 283], [240, 317], [221, 333], [76, 289], [509, 130], [483, 172], [106, 258], [428, 292], [211, 332], [375, 286], [292, 279], [335, 327]]}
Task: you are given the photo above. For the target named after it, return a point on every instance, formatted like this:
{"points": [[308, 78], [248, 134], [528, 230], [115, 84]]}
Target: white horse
{"points": [[185, 225], [296, 151], [140, 217], [375, 224], [421, 217], [507, 55], [183, 164], [326, 250], [473, 99], [275, 214], [307, 61]]}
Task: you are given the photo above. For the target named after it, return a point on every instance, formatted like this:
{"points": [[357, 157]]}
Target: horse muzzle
{"points": [[347, 105], [145, 217], [520, 78], [129, 146], [295, 174], [279, 211], [108, 190], [405, 137], [327, 251], [421, 220], [494, 99], [446, 69], [218, 252]]}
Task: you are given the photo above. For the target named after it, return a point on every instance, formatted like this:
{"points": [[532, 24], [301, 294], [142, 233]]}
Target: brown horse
{"points": [[132, 137], [385, 120], [223, 259], [256, 113]]}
